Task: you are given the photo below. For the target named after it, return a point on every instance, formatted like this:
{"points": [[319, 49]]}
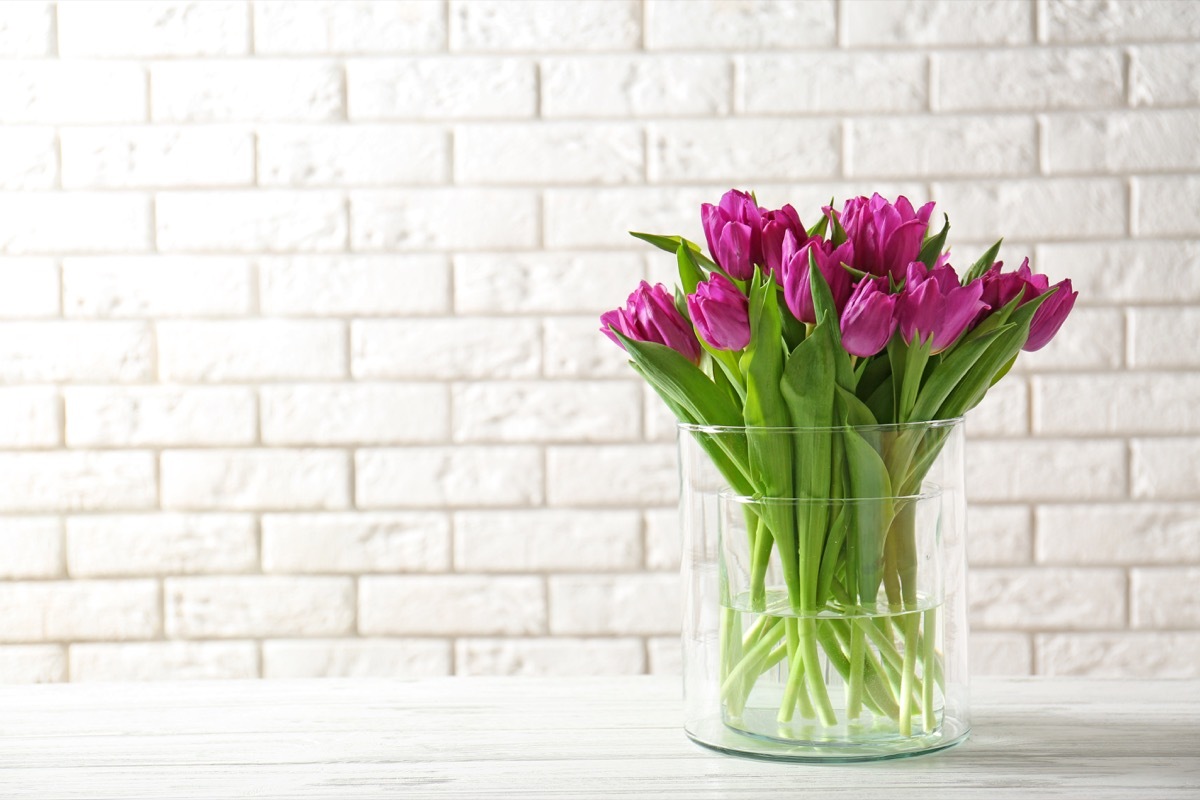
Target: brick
{"points": [[547, 283], [1000, 654], [1056, 470], [355, 413], [423, 477], [157, 286], [250, 221], [575, 348], [659, 423], [1033, 79], [549, 657], [32, 417], [358, 155], [1124, 533], [466, 347], [26, 29], [47, 611], [1127, 272], [1154, 72], [1157, 334], [354, 285], [571, 215], [543, 411], [358, 542], [919, 22], [663, 540], [516, 25], [162, 661], [355, 658], [32, 548], [1140, 656], [1165, 597], [33, 663], [1069, 599], [132, 29], [443, 219], [645, 85], [320, 28], [451, 605], [548, 153], [74, 222], [1053, 208], [1122, 403], [833, 82], [75, 351], [31, 288], [254, 479], [742, 25], [951, 146], [52, 91], [628, 474], [261, 349], [124, 157], [28, 158], [68, 481], [440, 88], [1091, 338], [246, 90], [998, 535], [1166, 468], [783, 150], [1164, 205], [665, 655], [543, 540], [1004, 410], [114, 545], [1131, 141], [1129, 20], [614, 604], [159, 416], [258, 606]]}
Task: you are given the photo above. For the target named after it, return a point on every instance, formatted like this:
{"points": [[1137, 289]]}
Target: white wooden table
{"points": [[561, 738]]}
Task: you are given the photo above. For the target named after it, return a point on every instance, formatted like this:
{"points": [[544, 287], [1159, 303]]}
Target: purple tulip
{"points": [[721, 313], [650, 316], [869, 319], [794, 275], [1050, 316], [733, 230], [886, 237], [935, 304], [999, 288], [775, 226]]}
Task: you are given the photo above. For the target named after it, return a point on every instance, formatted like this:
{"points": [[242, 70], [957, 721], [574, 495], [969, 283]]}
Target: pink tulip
{"points": [[733, 230], [869, 319], [887, 237], [935, 304], [650, 316], [999, 289], [775, 227], [794, 275], [720, 313]]}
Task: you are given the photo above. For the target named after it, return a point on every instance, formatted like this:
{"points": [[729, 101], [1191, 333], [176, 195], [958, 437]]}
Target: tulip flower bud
{"points": [[733, 230], [650, 315], [720, 313], [1050, 316], [869, 319], [886, 237], [935, 304], [794, 275]]}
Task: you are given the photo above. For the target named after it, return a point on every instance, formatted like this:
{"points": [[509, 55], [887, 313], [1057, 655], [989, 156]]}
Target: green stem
{"points": [[928, 659], [812, 673], [908, 676], [854, 685], [750, 662], [795, 672]]}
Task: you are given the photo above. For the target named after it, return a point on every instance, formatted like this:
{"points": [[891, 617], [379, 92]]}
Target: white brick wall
{"points": [[298, 328]]}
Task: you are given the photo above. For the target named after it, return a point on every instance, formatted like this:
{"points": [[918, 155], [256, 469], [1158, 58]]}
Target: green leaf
{"points": [[820, 228], [824, 306], [839, 233], [762, 363], [855, 411], [933, 246], [671, 245], [690, 274], [947, 375], [869, 518], [674, 377], [983, 264]]}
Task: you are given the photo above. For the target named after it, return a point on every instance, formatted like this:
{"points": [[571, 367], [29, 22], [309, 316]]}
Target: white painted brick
{"points": [[1166, 468], [443, 219], [28, 158], [26, 29], [663, 539], [285, 27], [741, 24], [358, 155], [544, 540], [255, 479], [1047, 208], [355, 413], [833, 82], [251, 221], [355, 658], [68, 481], [246, 90], [548, 153], [32, 547], [354, 285], [722, 150], [1004, 410], [572, 214], [31, 288], [441, 88], [657, 420], [161, 661], [1165, 597], [50, 610], [113, 545], [614, 604], [136, 416], [1158, 334], [1121, 403], [261, 349], [1091, 338], [1127, 272], [666, 655], [1127, 533], [1044, 469], [1154, 75], [423, 477], [470, 347], [32, 417], [953, 146], [75, 351], [636, 86], [1090, 21], [358, 542], [612, 475], [157, 286], [52, 91], [1166, 205], [998, 535], [1058, 78], [999, 654], [507, 25], [543, 411], [74, 222], [1119, 655], [451, 605], [550, 283], [922, 22], [258, 606], [575, 348], [33, 663], [133, 29], [1065, 598], [549, 657], [1130, 141], [121, 157]]}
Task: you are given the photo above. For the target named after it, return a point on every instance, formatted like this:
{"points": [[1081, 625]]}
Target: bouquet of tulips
{"points": [[857, 321]]}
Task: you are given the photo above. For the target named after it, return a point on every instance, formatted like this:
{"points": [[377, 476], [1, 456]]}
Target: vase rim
{"points": [[691, 427]]}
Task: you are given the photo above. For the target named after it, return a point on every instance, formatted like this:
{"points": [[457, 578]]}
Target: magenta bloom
{"points": [[869, 319], [1050, 316], [794, 275], [935, 304], [886, 237], [650, 316], [999, 288], [733, 230], [721, 313], [775, 226]]}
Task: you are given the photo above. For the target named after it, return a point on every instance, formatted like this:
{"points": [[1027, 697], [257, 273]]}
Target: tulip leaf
{"points": [[839, 233], [983, 264], [671, 245], [674, 377], [870, 518], [932, 248], [857, 413], [690, 274], [823, 305], [818, 231], [762, 364], [947, 375]]}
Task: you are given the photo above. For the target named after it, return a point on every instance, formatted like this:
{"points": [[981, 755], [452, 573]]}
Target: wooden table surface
{"points": [[561, 738]]}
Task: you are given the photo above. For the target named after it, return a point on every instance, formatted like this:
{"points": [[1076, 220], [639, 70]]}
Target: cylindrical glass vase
{"points": [[825, 614]]}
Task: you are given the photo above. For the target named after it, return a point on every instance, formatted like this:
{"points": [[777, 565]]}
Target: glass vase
{"points": [[824, 577]]}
